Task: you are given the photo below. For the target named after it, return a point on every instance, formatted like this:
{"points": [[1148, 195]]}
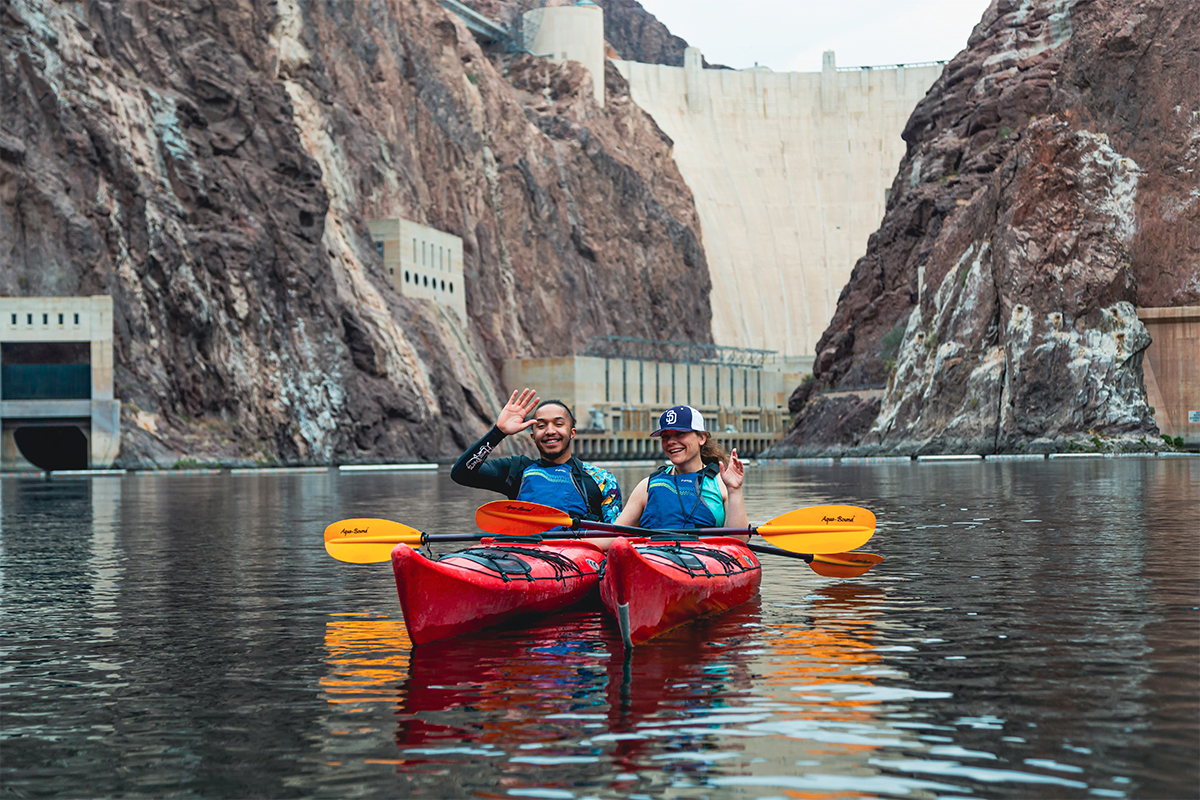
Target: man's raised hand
{"points": [[512, 416]]}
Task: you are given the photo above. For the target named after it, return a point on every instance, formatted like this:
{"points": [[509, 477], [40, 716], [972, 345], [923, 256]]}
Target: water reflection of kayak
{"points": [[564, 678], [492, 582], [651, 586], [507, 686]]}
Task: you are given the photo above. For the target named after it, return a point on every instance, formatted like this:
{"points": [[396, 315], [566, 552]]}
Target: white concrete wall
{"points": [[789, 172], [422, 261], [569, 33]]}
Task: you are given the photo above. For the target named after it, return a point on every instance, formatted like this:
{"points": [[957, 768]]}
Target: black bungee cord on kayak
{"points": [[504, 562], [687, 559]]}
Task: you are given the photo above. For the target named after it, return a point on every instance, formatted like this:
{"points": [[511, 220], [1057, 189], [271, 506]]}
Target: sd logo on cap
{"points": [[679, 418]]}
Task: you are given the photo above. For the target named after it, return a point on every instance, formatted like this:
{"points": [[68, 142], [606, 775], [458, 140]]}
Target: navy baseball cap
{"points": [[680, 418]]}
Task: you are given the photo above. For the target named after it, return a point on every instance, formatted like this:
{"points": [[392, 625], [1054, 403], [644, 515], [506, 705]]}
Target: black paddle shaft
{"points": [[629, 530]]}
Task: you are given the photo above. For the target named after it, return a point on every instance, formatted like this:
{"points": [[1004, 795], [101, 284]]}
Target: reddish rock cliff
{"points": [[637, 35], [211, 165], [1050, 186]]}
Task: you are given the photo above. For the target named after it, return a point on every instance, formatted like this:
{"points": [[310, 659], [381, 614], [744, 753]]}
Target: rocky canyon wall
{"points": [[1050, 186], [211, 165]]}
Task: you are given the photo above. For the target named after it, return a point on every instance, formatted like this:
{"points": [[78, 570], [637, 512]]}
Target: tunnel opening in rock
{"points": [[55, 447]]}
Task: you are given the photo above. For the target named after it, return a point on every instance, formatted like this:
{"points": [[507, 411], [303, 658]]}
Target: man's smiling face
{"points": [[552, 433]]}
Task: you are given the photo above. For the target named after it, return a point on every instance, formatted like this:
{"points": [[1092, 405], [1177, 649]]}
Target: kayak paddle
{"points": [[369, 541], [819, 529]]}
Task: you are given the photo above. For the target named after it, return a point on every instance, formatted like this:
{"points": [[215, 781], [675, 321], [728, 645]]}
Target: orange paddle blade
{"points": [[844, 565], [518, 518], [820, 529], [366, 541]]}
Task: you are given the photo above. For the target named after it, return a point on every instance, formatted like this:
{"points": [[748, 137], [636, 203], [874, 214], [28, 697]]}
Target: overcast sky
{"points": [[790, 35]]}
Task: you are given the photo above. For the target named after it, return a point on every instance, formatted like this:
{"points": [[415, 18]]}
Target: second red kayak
{"points": [[490, 583], [653, 585]]}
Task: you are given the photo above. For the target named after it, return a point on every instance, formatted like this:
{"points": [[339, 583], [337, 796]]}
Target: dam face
{"points": [[790, 173]]}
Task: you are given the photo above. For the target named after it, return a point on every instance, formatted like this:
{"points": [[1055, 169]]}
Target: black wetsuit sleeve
{"points": [[474, 470]]}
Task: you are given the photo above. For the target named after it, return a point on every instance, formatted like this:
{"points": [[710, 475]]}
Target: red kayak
{"points": [[653, 585], [491, 582]]}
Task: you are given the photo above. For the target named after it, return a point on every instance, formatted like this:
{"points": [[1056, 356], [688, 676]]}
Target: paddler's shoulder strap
{"points": [[516, 468], [591, 489]]}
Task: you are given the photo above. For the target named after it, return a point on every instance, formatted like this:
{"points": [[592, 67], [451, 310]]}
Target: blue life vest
{"points": [[679, 501], [555, 486]]}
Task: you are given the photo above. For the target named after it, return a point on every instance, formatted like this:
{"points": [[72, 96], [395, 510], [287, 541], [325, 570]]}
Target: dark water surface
{"points": [[1034, 632]]}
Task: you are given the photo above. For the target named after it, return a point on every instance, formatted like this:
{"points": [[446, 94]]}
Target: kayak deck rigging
{"points": [[691, 558], [507, 562]]}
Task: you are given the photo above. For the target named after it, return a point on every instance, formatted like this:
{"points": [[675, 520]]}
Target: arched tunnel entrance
{"points": [[53, 447]]}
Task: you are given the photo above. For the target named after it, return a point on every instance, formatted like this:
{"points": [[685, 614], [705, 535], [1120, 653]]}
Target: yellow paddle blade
{"points": [[820, 529], [359, 552], [366, 541], [844, 565], [518, 518]]}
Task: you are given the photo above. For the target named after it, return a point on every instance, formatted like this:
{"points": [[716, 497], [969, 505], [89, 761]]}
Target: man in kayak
{"points": [[557, 479], [702, 488]]}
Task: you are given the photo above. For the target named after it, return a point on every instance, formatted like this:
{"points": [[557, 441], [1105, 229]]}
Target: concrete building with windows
{"points": [[618, 394], [422, 262], [57, 409]]}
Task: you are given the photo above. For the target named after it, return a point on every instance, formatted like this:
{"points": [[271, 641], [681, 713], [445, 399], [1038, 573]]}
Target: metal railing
{"points": [[913, 65], [477, 23]]}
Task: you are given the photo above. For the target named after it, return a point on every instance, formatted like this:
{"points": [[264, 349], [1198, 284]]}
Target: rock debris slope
{"points": [[1050, 187], [212, 166]]}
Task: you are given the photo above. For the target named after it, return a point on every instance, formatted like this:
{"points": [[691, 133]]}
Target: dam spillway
{"points": [[790, 173]]}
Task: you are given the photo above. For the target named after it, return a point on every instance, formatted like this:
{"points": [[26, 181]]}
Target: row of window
{"points": [[703, 383], [648, 447], [749, 424], [418, 280], [437, 260], [45, 319]]}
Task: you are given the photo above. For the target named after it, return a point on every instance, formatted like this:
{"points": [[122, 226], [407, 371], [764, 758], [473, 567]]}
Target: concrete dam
{"points": [[790, 173]]}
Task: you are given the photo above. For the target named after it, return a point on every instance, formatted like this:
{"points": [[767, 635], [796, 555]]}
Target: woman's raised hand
{"points": [[512, 416], [734, 473]]}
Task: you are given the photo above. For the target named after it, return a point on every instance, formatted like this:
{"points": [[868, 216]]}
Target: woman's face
{"points": [[682, 446]]}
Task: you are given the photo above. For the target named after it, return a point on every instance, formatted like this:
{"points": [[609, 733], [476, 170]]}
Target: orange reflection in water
{"points": [[368, 656], [834, 644], [822, 666]]}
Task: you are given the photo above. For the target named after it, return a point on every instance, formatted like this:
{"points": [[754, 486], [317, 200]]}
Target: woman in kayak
{"points": [[702, 488]]}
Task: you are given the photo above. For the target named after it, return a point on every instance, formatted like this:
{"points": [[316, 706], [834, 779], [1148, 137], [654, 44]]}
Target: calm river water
{"points": [[1034, 632]]}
